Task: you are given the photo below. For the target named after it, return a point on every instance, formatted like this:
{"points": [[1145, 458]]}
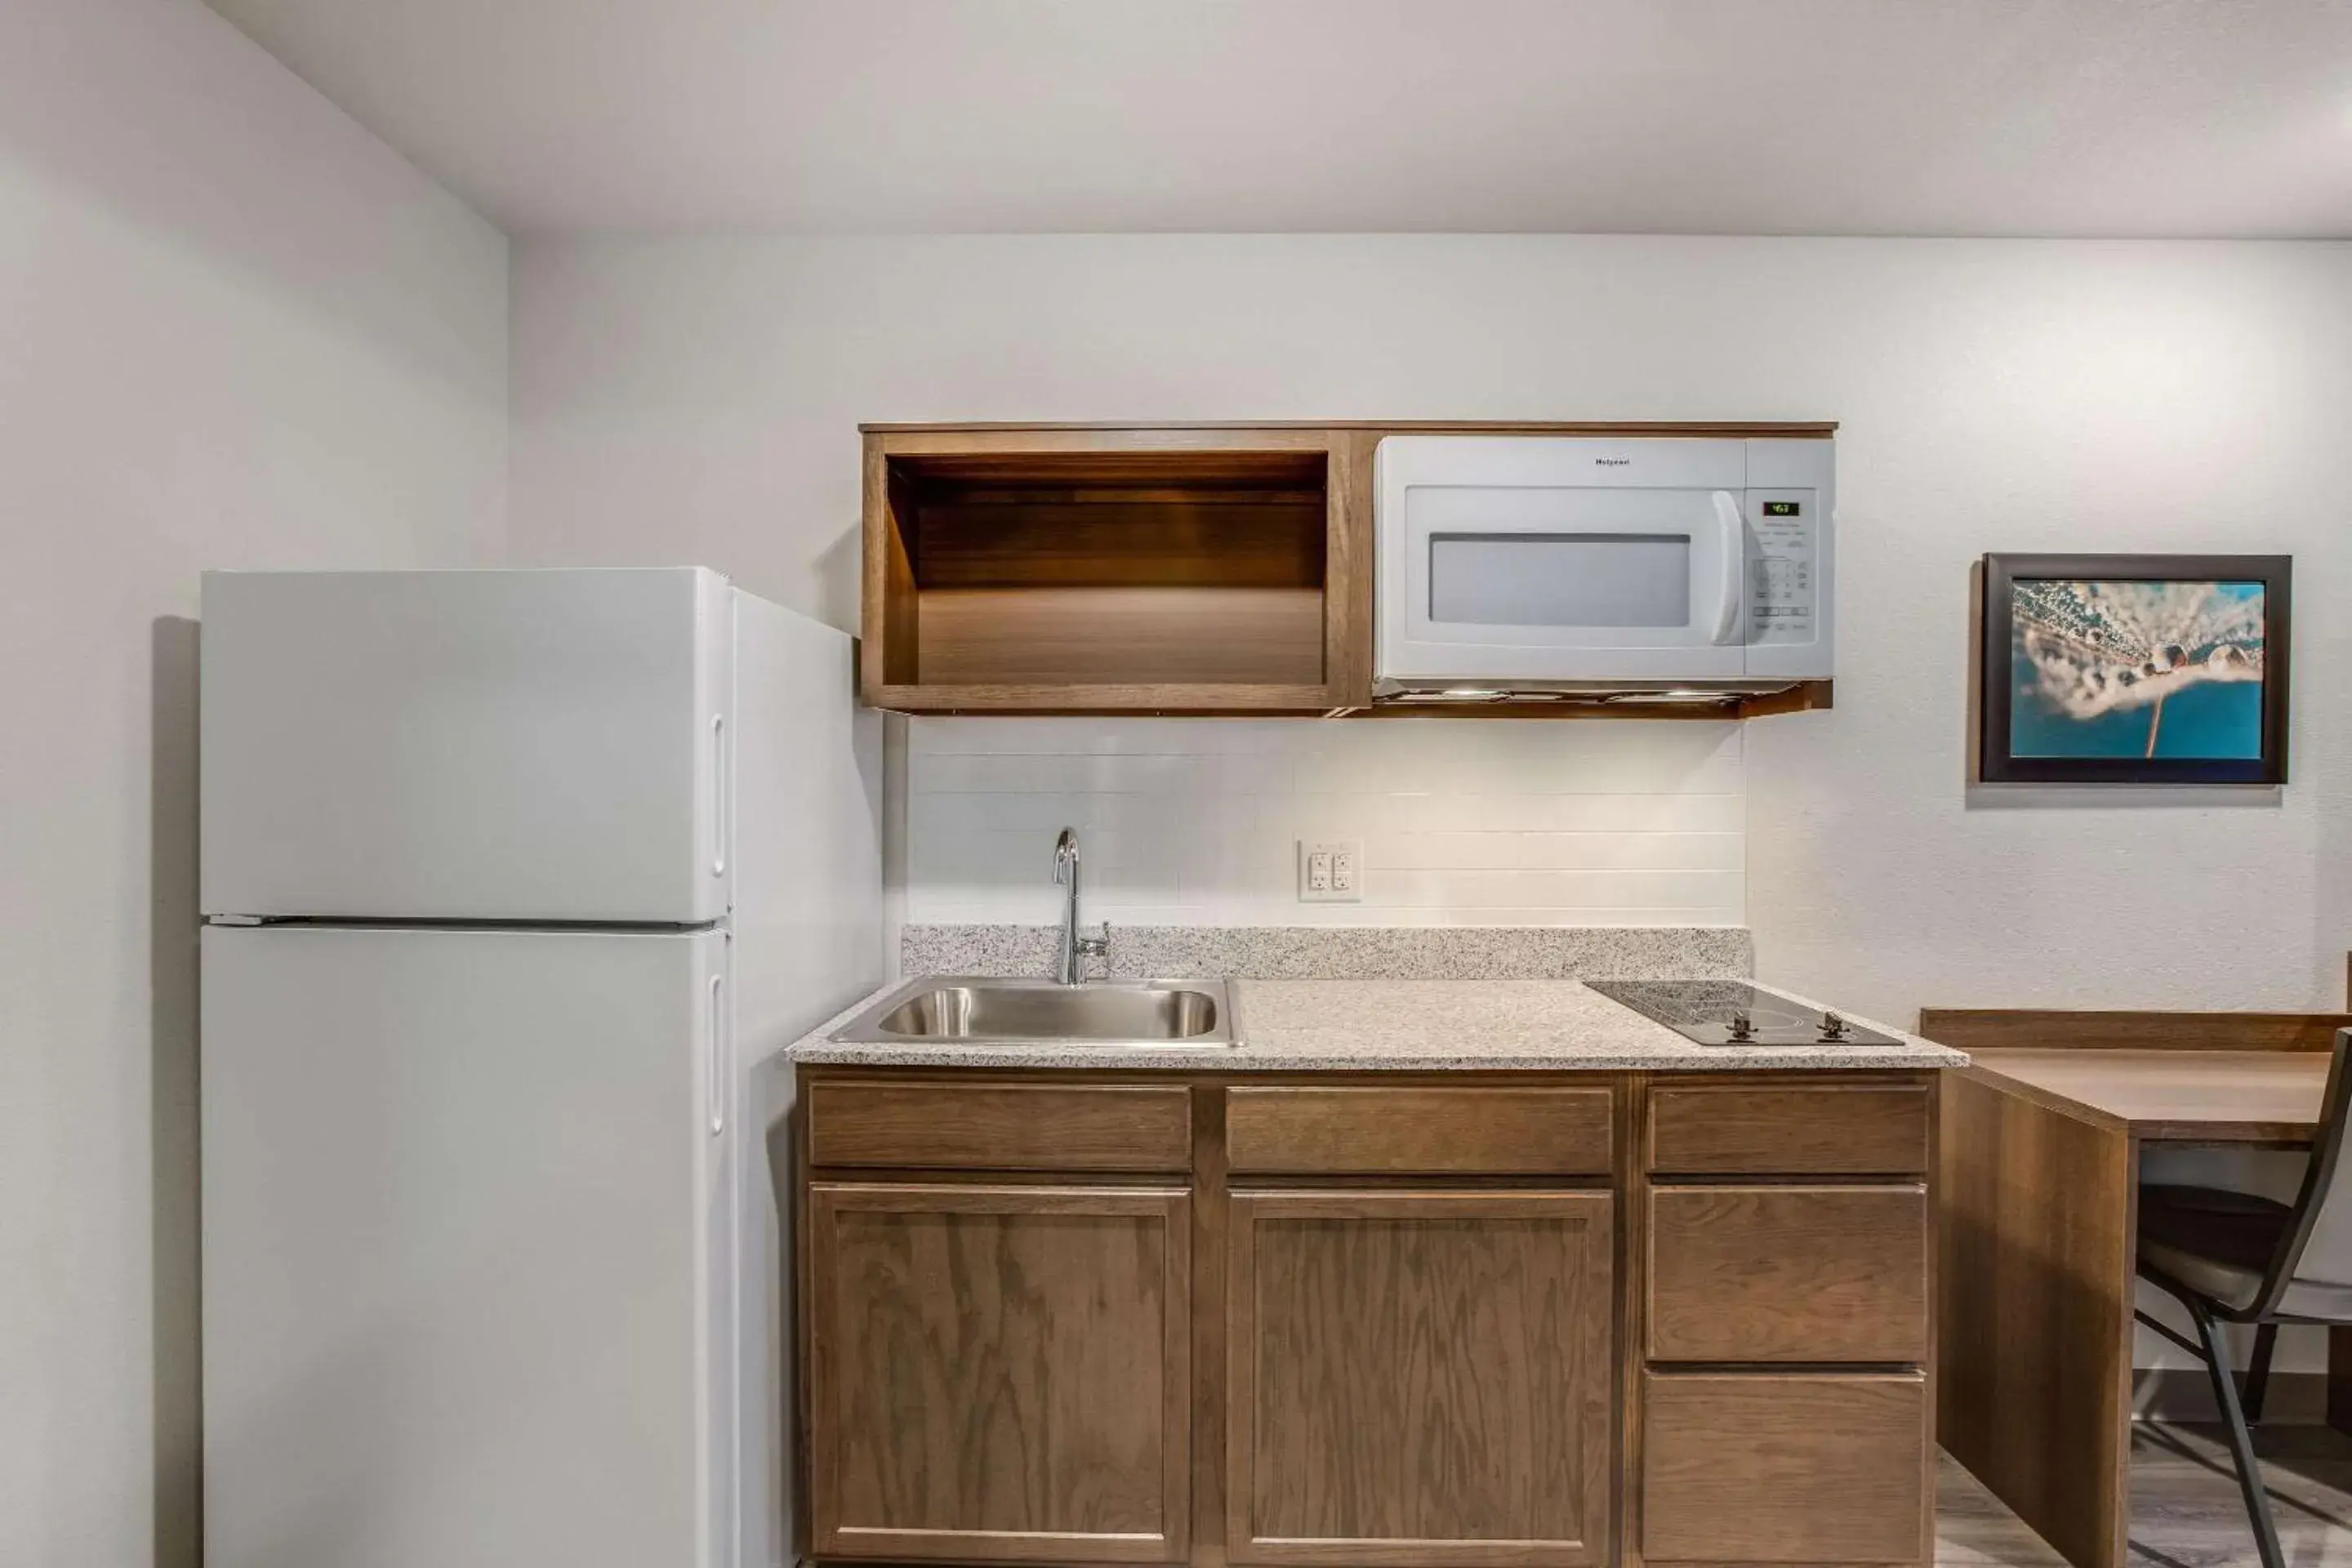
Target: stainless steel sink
{"points": [[970, 1011]]}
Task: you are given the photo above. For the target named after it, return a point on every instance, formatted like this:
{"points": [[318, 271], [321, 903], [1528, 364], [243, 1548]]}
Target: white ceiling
{"points": [[1911, 117]]}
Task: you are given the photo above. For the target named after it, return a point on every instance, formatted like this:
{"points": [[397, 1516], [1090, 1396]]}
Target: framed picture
{"points": [[2134, 669]]}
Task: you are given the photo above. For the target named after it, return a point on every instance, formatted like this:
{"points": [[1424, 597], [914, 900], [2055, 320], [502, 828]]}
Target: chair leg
{"points": [[2258, 1372], [2241, 1442]]}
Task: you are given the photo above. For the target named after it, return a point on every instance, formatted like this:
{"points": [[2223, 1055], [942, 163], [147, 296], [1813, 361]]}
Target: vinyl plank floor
{"points": [[2185, 1512]]}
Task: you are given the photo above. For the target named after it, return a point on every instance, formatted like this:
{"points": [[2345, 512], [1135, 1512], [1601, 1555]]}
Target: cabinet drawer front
{"points": [[1785, 1467], [999, 1374], [1788, 1274], [1419, 1131], [1868, 1130], [1419, 1380], [1001, 1127]]}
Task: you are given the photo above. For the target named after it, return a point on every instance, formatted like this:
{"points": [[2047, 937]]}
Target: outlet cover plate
{"points": [[1331, 870]]}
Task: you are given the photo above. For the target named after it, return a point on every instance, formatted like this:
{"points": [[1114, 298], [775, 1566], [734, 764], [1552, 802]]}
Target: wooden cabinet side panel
{"points": [[2034, 1335], [1420, 1379], [1348, 572], [1632, 1318], [999, 1374], [1211, 1218], [890, 627]]}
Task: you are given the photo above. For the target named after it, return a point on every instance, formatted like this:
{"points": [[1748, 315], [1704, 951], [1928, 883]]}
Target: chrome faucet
{"points": [[1076, 949]]}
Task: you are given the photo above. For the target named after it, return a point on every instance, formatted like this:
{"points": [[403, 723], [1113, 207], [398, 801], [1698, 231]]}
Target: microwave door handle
{"points": [[1734, 543]]}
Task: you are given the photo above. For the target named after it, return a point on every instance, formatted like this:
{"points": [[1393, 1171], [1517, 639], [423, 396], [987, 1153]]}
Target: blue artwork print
{"points": [[2136, 669]]}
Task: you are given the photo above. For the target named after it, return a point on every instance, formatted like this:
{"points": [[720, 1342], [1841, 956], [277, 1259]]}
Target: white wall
{"points": [[697, 399], [235, 331], [1196, 821]]}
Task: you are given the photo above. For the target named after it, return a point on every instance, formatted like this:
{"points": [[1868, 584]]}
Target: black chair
{"points": [[2235, 1257]]}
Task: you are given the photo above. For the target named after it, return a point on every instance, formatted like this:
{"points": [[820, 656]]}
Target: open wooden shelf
{"points": [[1200, 568], [1025, 575]]}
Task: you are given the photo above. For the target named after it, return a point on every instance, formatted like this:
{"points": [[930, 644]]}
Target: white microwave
{"points": [[1508, 564]]}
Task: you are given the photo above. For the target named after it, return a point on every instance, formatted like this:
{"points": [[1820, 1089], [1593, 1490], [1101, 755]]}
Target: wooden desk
{"points": [[2039, 1152], [2174, 1096]]}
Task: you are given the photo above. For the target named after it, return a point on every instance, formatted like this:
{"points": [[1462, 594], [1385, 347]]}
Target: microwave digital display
{"points": [[1784, 509]]}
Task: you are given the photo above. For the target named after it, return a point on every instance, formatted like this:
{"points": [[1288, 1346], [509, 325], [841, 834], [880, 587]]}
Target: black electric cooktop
{"points": [[1734, 1012]]}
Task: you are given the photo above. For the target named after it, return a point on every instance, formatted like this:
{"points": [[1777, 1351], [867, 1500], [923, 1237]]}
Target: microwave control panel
{"points": [[1783, 587]]}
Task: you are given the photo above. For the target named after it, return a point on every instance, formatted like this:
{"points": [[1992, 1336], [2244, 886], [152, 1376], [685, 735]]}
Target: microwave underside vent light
{"points": [[1674, 694]]}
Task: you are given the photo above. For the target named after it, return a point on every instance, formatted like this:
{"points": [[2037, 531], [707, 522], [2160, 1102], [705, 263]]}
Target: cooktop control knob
{"points": [[1833, 1028], [1743, 1027]]}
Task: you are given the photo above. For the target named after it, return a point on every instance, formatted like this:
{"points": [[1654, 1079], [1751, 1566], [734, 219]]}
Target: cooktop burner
{"points": [[1734, 1012]]}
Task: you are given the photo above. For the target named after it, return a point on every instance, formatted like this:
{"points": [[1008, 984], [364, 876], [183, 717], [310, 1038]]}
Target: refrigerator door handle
{"points": [[714, 1066], [718, 795]]}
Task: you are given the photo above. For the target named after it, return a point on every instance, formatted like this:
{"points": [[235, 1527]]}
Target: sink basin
{"points": [[950, 1009]]}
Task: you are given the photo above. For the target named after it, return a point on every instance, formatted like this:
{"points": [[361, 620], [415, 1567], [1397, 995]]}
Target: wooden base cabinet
{"points": [[1367, 1320], [1784, 1402], [1419, 1379], [999, 1374]]}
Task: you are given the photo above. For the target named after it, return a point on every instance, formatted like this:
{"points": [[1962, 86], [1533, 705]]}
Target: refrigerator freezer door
{"points": [[535, 746], [467, 1236]]}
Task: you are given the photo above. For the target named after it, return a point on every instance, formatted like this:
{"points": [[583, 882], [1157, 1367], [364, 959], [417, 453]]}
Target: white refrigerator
{"points": [[513, 884]]}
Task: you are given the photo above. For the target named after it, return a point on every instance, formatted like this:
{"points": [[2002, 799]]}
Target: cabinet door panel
{"points": [[999, 1374], [1418, 1378]]}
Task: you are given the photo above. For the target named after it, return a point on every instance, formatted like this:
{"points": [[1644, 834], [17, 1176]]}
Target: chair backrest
{"points": [[2317, 1250]]}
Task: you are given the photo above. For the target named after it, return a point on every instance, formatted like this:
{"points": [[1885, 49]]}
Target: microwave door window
{"points": [[1592, 580]]}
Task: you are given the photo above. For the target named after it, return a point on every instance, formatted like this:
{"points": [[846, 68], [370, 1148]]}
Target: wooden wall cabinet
{"points": [[1061, 569], [1528, 1321], [1155, 569]]}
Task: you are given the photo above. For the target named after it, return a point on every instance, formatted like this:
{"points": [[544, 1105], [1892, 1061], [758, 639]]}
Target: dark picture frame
{"points": [[1998, 644]]}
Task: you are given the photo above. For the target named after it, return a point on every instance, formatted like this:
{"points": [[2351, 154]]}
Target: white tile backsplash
{"points": [[1465, 822]]}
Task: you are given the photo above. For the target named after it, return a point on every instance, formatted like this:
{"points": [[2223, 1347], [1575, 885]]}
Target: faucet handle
{"points": [[1097, 947]]}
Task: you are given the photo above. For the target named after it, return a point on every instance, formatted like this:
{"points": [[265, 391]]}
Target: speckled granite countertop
{"points": [[1349, 953], [1332, 1025]]}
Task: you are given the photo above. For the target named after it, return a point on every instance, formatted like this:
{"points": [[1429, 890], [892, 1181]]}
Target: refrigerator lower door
{"points": [[468, 1227], [527, 746]]}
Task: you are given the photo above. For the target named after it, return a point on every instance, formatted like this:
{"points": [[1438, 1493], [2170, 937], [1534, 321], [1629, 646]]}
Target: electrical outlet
{"points": [[1330, 871]]}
